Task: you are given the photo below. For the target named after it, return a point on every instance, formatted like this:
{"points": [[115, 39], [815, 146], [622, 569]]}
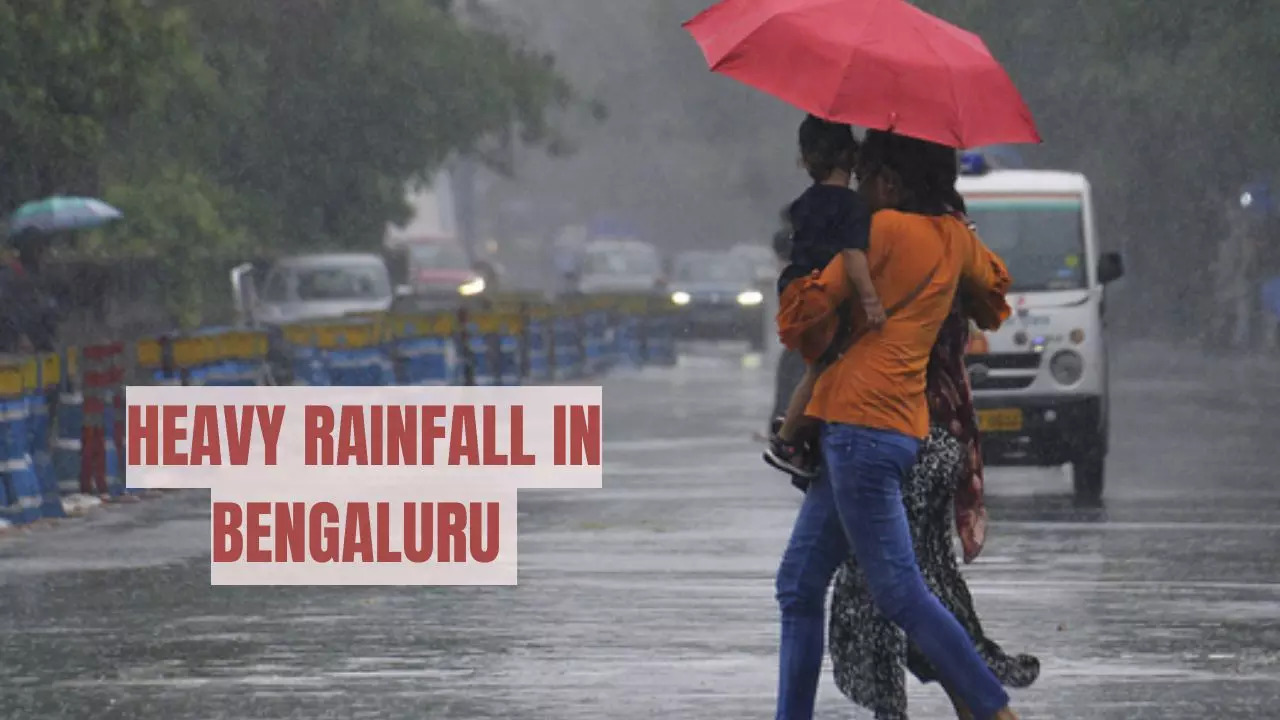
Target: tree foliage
{"points": [[1166, 106], [289, 124], [69, 70]]}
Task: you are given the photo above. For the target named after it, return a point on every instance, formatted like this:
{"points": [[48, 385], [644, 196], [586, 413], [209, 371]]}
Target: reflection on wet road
{"points": [[653, 597]]}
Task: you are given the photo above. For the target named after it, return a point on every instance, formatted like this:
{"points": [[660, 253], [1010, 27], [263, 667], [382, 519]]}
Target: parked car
{"points": [[621, 266], [718, 297], [441, 268], [312, 287]]}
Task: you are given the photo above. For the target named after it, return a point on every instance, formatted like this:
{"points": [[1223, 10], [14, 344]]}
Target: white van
{"points": [[1041, 383]]}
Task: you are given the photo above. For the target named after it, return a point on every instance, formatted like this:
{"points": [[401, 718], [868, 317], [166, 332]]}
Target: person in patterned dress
{"points": [[868, 652]]}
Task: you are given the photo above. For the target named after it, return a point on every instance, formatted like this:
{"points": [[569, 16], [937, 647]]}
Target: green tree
{"points": [[224, 127], [188, 223], [69, 70], [1166, 106], [326, 110]]}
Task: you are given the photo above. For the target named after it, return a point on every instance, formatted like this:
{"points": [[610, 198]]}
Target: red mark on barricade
{"points": [[576, 432], [103, 376], [362, 532]]}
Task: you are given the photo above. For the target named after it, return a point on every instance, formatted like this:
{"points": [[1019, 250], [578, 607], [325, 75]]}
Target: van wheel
{"points": [[1088, 474]]}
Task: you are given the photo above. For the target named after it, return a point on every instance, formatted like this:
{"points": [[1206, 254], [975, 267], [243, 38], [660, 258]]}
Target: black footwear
{"points": [[788, 458]]}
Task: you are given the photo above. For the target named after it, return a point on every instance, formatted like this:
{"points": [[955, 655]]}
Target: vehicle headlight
{"points": [[1067, 367], [472, 287], [750, 297], [680, 298]]}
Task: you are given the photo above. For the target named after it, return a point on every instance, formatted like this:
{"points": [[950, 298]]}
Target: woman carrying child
{"points": [[875, 415]]}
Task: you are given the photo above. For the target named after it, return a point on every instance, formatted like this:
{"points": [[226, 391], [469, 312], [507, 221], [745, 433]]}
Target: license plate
{"points": [[999, 420]]}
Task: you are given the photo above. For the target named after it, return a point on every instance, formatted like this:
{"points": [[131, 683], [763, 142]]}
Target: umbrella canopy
{"points": [[878, 64], [58, 213]]}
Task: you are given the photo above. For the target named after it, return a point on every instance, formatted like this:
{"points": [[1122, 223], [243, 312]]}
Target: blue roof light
{"points": [[972, 163]]}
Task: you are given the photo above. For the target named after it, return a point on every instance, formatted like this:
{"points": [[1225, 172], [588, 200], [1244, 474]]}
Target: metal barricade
{"points": [[68, 421], [100, 437], [22, 496], [424, 348], [353, 353], [42, 403]]}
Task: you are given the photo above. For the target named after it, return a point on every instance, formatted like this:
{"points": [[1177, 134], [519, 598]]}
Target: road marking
{"points": [[1049, 525], [1121, 585]]}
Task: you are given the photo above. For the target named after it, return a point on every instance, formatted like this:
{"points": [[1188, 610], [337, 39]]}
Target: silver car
{"points": [[314, 287]]}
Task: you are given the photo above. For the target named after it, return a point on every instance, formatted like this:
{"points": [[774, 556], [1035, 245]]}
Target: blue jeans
{"points": [[858, 503]]}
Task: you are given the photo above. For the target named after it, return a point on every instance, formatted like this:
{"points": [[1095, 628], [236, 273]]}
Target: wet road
{"points": [[652, 598]]}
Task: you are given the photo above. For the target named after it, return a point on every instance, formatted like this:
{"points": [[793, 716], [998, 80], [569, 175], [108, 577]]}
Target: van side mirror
{"points": [[1110, 267], [244, 294]]}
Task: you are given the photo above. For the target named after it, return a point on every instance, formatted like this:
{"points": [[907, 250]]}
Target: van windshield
{"points": [[1041, 239]]}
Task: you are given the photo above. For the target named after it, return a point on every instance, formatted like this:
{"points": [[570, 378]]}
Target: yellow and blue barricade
{"points": [[566, 344], [23, 499], [306, 361], [539, 345], [42, 403], [61, 415], [493, 345], [68, 423], [631, 330], [353, 353], [425, 348], [659, 332]]}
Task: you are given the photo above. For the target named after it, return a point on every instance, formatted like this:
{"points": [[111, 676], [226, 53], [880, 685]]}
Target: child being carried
{"points": [[827, 219]]}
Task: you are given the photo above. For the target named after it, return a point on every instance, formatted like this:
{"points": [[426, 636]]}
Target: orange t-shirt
{"points": [[879, 382]]}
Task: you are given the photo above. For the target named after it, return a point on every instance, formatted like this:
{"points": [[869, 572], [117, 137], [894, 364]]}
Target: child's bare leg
{"points": [[794, 419]]}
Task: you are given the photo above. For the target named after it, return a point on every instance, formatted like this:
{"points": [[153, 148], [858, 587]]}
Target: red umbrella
{"points": [[879, 64]]}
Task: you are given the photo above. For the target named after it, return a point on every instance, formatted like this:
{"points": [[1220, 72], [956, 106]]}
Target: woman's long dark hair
{"points": [[927, 171]]}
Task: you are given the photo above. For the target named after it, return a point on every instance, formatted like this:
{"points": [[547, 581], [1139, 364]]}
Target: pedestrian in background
{"points": [[29, 322], [1233, 278]]}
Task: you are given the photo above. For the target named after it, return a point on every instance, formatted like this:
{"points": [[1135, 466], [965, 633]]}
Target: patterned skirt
{"points": [[867, 651]]}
